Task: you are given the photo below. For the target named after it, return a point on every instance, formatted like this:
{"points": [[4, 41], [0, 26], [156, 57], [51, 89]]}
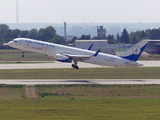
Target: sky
{"points": [[79, 11]]}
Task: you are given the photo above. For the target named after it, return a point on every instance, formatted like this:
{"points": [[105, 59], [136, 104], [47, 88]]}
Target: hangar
{"points": [[97, 44]]}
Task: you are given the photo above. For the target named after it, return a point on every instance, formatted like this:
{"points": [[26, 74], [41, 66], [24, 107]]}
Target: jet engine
{"points": [[63, 58]]}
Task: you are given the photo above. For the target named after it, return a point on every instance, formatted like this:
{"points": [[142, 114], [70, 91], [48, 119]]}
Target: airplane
{"points": [[68, 54]]}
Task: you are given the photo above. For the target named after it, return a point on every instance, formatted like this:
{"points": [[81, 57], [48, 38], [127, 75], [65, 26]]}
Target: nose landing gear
{"points": [[22, 54]]}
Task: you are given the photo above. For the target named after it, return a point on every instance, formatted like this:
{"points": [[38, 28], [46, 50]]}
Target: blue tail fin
{"points": [[134, 52], [90, 47]]}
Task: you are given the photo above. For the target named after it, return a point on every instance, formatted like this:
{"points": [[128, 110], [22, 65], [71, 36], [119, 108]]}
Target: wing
{"points": [[81, 57], [78, 57]]}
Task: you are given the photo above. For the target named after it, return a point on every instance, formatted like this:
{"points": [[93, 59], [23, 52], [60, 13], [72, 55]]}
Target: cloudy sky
{"points": [[78, 11]]}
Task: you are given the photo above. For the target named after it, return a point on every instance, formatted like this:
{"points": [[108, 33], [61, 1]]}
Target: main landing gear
{"points": [[75, 66]]}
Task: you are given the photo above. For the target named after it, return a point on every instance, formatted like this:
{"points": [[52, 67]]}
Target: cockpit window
{"points": [[15, 41]]}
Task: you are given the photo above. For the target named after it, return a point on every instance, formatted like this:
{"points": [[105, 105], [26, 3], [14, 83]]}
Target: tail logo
{"points": [[136, 50]]}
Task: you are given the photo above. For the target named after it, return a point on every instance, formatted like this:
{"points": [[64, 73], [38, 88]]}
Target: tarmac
{"points": [[65, 65], [73, 81]]}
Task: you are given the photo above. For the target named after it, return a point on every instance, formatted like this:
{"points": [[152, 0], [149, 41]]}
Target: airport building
{"points": [[97, 44], [153, 48], [101, 32]]}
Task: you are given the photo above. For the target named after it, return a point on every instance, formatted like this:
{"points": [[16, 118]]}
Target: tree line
{"points": [[49, 34], [135, 37], [127, 38], [45, 34]]}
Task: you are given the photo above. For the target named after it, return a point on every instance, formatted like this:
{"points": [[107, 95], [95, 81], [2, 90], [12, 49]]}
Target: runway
{"points": [[55, 64], [65, 65], [77, 81], [73, 81]]}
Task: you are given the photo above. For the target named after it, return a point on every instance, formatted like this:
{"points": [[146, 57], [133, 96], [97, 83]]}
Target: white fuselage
{"points": [[52, 49]]}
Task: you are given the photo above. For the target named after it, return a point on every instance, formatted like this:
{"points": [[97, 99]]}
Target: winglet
{"points": [[97, 53], [90, 47]]}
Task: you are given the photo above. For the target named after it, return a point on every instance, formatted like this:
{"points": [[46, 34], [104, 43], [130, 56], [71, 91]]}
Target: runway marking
{"points": [[78, 81]]}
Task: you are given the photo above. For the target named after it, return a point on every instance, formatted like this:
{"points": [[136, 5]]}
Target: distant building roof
{"points": [[91, 40]]}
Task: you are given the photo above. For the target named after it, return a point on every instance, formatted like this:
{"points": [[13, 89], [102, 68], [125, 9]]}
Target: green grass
{"points": [[87, 102], [15, 55], [100, 109], [83, 73]]}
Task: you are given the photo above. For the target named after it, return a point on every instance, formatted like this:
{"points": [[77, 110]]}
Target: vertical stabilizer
{"points": [[134, 52]]}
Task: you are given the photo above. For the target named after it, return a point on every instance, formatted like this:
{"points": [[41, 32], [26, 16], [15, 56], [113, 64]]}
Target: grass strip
{"points": [[83, 73], [87, 102]]}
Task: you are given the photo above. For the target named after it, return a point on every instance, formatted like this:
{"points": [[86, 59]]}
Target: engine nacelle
{"points": [[63, 58]]}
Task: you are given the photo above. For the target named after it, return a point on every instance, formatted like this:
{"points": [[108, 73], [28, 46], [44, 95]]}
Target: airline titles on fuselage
{"points": [[39, 43]]}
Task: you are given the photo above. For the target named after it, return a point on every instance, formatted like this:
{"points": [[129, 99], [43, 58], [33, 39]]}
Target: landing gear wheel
{"points": [[22, 54], [75, 66]]}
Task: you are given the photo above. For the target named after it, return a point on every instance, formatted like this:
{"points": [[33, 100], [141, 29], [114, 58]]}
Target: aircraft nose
{"points": [[10, 43]]}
